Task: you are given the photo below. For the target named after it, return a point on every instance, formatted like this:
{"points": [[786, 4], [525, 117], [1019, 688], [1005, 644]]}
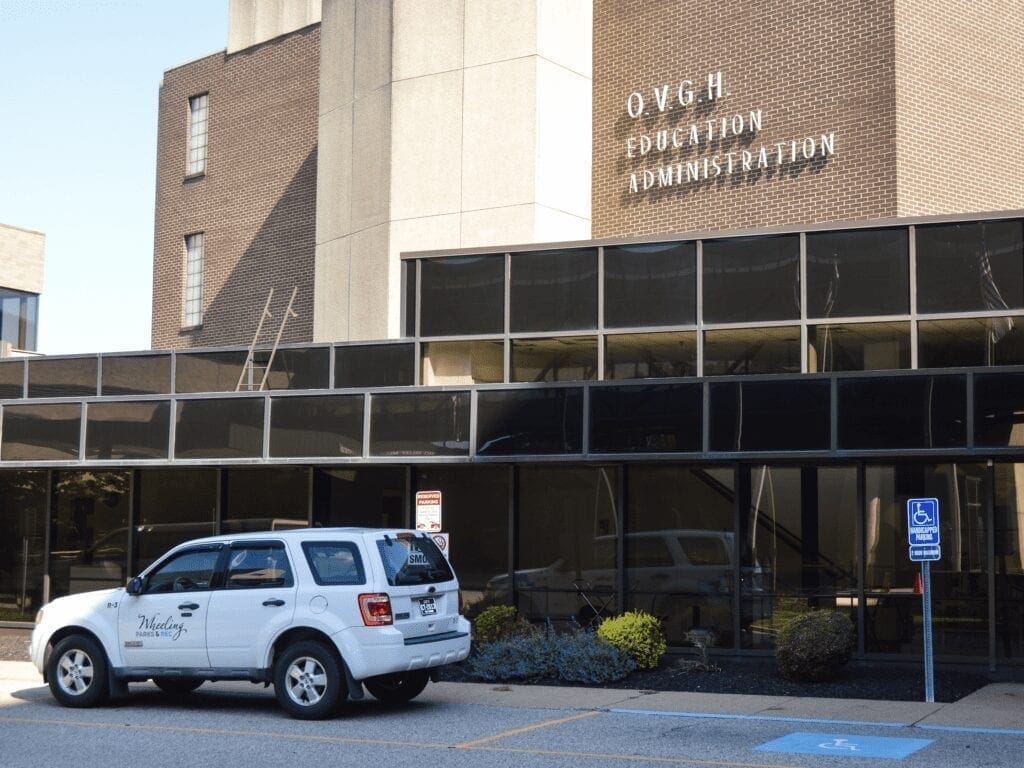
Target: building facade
{"points": [[21, 281]]}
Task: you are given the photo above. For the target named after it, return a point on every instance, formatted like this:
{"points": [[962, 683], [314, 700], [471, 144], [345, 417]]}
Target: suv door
{"points": [[256, 601], [165, 625]]}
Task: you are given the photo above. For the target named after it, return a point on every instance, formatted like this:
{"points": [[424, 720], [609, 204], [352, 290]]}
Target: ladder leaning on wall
{"points": [[250, 369]]}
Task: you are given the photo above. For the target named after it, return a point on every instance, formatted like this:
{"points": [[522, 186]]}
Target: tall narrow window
{"points": [[198, 112], [194, 246]]}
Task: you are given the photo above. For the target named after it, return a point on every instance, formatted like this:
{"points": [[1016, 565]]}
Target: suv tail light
{"points": [[376, 609]]}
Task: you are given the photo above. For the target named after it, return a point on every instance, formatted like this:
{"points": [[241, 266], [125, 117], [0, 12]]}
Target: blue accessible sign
{"points": [[923, 522]]}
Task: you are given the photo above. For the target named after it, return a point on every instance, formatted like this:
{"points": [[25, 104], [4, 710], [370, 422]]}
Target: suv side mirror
{"points": [[134, 586]]}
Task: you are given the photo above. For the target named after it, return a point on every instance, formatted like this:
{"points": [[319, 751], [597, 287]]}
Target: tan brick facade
{"points": [[256, 202]]}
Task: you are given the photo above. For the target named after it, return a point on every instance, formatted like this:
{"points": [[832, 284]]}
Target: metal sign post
{"points": [[925, 546]]}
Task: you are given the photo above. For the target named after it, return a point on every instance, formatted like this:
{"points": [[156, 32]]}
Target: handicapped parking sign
{"points": [[923, 522]]}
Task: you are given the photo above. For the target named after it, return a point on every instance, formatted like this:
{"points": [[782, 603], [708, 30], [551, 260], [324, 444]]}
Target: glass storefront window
{"points": [[735, 351], [374, 365], [175, 505], [265, 499], [1009, 559], [566, 358], [529, 421], [328, 425], [12, 379], [127, 430], [902, 412], [296, 368], [448, 363], [858, 347], [970, 341], [650, 284], [225, 428], [22, 547], [752, 279], [999, 410], [554, 291], [648, 419], [135, 375], [208, 371], [67, 377], [770, 416], [860, 272], [373, 497], [46, 432], [420, 424], [462, 295], [650, 355]]}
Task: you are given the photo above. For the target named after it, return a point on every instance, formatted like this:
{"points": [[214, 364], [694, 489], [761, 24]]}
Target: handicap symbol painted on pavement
{"points": [[845, 745]]}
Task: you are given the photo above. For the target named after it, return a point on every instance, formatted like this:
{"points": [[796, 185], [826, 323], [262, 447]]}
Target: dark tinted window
{"points": [[526, 421], [12, 379], [861, 272], [136, 375], [412, 560], [554, 290], [999, 409], [258, 565], [41, 432], [564, 358], [71, 377], [752, 279], [208, 371], [858, 347], [665, 417], [209, 429], [409, 268], [653, 284], [650, 355], [265, 499], [175, 505], [974, 266], [127, 430], [334, 563], [769, 416], [902, 412], [462, 295], [752, 350], [297, 368], [331, 425], [970, 341], [374, 365], [373, 497], [190, 571], [420, 424]]}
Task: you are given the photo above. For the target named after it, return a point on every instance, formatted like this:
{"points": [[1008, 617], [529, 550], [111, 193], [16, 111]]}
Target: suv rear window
{"points": [[410, 560], [334, 562]]}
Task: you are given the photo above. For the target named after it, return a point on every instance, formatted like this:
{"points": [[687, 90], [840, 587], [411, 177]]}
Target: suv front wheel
{"points": [[308, 682], [77, 672], [397, 688]]}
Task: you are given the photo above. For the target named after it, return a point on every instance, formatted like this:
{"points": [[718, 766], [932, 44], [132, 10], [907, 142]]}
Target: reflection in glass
{"points": [[659, 418], [175, 505], [136, 375], [554, 291], [213, 429], [331, 425], [127, 430], [67, 377], [462, 295], [752, 350], [970, 341], [420, 424], [12, 379], [902, 412], [566, 358], [858, 347], [266, 499], [999, 410], [799, 547], [680, 548], [959, 579], [296, 368], [529, 421], [567, 531], [770, 416], [23, 497], [859, 272], [89, 545], [41, 432], [1009, 559], [752, 279], [19, 318], [208, 371], [374, 365], [373, 497], [970, 266], [650, 284], [650, 355], [462, 362]]}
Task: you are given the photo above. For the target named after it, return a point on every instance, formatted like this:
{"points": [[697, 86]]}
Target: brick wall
{"points": [[960, 105], [810, 66], [256, 202]]}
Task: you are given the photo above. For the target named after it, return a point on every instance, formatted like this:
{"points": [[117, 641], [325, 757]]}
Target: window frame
{"points": [[198, 139], [193, 282]]}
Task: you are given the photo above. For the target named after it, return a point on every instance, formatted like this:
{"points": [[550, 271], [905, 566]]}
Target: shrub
{"points": [[498, 622], [583, 657], [637, 633], [814, 646]]}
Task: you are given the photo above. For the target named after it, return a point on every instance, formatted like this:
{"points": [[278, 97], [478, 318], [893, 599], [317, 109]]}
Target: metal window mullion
{"points": [[172, 429], [705, 416], [600, 314], [266, 427], [912, 254], [332, 353], [833, 415], [804, 335], [367, 405], [473, 410], [969, 392], [586, 421], [699, 275], [83, 416], [24, 378], [507, 374], [861, 558], [990, 559], [99, 375]]}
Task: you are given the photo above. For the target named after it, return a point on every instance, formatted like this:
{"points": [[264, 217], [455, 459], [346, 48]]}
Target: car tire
{"points": [[177, 686], [308, 682], [77, 672], [397, 688]]}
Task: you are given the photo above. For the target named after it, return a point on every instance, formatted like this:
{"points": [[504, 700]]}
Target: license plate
{"points": [[427, 606]]}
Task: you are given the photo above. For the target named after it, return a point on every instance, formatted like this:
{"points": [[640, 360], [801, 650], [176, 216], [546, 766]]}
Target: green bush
{"points": [[498, 622], [815, 646], [637, 633]]}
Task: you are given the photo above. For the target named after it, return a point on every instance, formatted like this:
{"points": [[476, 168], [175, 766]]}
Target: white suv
{"points": [[318, 612]]}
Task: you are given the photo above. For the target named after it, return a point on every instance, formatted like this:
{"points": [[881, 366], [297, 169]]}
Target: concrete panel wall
{"points": [[251, 22], [21, 259]]}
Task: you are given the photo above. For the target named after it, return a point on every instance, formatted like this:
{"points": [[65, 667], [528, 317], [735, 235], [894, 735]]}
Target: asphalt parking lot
{"points": [[230, 724]]}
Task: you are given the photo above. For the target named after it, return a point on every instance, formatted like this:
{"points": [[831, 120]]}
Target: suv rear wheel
{"points": [[397, 688], [308, 682], [77, 672]]}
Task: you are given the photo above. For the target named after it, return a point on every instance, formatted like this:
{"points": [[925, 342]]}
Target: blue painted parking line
{"points": [[845, 745], [769, 718], [969, 729]]}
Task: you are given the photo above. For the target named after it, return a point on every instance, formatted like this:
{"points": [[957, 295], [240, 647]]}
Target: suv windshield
{"points": [[412, 560]]}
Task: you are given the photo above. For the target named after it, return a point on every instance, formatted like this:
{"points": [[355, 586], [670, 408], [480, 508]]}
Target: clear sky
{"points": [[79, 84]]}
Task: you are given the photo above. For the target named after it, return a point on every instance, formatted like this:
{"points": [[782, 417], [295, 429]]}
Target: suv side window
{"points": [[334, 562], [190, 571], [258, 565]]}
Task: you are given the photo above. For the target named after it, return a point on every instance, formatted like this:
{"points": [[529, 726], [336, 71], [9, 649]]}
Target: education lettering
{"points": [[669, 153]]}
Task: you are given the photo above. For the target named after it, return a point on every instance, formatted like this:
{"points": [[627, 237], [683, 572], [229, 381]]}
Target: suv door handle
{"points": [[188, 607], [274, 601]]}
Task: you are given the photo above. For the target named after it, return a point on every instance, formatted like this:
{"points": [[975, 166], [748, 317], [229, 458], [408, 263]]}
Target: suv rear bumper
{"points": [[378, 653]]}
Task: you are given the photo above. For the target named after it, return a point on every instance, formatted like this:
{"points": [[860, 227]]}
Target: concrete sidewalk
{"points": [[998, 707]]}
